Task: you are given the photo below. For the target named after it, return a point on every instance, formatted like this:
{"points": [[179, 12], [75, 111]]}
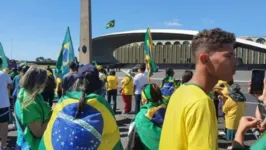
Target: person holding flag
{"points": [[151, 66]]}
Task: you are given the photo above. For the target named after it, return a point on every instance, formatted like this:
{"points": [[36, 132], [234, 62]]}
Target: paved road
{"points": [[123, 120]]}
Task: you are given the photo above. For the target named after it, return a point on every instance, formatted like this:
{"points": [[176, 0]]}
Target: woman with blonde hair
{"points": [[32, 113]]}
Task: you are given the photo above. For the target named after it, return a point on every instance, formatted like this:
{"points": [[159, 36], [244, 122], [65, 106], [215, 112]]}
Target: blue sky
{"points": [[33, 28]]}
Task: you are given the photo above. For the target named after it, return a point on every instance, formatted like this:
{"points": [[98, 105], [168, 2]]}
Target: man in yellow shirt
{"points": [[190, 122], [112, 83]]}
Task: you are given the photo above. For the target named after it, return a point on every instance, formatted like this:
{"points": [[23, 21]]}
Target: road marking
{"points": [[239, 81], [253, 103]]}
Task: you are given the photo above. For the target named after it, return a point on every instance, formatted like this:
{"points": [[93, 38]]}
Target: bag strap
{"points": [[19, 122]]}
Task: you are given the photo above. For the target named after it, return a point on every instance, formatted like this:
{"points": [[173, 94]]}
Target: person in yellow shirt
{"points": [[127, 91], [112, 83], [190, 121], [58, 90], [234, 108]]}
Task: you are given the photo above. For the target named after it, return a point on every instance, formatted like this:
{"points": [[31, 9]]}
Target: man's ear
{"points": [[204, 58]]}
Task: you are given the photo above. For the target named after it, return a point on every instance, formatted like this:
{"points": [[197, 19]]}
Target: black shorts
{"points": [[5, 114]]}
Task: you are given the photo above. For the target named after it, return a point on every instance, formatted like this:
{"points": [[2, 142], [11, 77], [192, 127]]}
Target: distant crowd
{"points": [[78, 111]]}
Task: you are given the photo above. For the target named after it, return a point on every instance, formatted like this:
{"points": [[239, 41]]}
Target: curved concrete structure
{"points": [[104, 46]]}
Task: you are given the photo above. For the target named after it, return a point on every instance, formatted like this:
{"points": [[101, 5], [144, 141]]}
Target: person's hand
{"points": [[262, 127], [248, 122], [219, 91], [262, 96]]}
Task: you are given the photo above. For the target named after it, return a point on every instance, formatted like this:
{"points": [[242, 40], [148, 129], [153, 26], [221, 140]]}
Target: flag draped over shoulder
{"points": [[65, 57], [151, 66], [3, 57], [149, 123], [95, 128], [110, 24]]}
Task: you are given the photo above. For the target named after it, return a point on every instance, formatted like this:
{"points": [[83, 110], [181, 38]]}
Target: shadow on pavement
{"points": [[123, 122]]}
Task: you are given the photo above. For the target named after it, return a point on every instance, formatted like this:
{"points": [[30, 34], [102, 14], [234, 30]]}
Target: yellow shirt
{"points": [[190, 121], [128, 86], [112, 82], [58, 84], [233, 112]]}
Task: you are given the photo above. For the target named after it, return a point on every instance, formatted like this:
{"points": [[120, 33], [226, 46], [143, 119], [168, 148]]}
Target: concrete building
{"points": [[170, 47]]}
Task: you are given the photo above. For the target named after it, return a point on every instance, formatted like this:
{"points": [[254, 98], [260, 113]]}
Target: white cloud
{"points": [[208, 21], [173, 23]]}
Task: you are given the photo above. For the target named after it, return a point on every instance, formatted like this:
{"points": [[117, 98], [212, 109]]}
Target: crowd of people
{"points": [[78, 110]]}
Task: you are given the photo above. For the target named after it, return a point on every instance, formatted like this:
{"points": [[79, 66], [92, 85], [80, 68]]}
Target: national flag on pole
{"points": [[66, 56], [110, 24], [3, 57], [150, 63]]}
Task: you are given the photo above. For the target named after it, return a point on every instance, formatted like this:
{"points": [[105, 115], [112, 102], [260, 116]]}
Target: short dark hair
{"points": [[112, 73], [187, 76], [170, 72], [142, 67], [1, 61], [73, 66], [211, 40]]}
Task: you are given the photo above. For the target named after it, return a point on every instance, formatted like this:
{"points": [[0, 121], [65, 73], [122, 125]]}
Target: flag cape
{"points": [[110, 24], [4, 59], [151, 66], [145, 122], [65, 57], [96, 128]]}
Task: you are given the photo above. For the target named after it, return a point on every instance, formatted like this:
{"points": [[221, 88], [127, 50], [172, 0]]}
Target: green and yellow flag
{"points": [[3, 56], [95, 128], [66, 56], [110, 24], [151, 66]]}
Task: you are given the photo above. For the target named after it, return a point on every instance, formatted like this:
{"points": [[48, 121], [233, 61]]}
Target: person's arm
{"points": [[135, 82], [117, 82], [38, 128], [200, 127], [245, 123], [33, 118], [257, 113], [9, 82]]}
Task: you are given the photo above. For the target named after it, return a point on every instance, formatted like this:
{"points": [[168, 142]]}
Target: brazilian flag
{"points": [[110, 24], [148, 123], [151, 66], [3, 57], [66, 56], [96, 128]]}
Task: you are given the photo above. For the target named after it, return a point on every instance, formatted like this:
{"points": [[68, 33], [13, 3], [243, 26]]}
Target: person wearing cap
{"points": [[139, 81], [82, 119], [103, 78], [127, 91]]}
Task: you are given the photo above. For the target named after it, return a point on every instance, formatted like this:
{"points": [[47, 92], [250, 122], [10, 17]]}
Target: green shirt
{"points": [[37, 111]]}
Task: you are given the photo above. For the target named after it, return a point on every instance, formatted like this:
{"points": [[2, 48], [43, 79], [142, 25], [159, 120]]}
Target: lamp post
{"points": [[85, 50]]}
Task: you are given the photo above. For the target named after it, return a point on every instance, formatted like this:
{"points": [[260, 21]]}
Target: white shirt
{"points": [[139, 81], [4, 81]]}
